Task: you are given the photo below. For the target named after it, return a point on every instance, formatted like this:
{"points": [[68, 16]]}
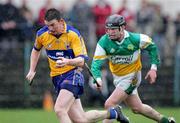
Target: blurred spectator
{"points": [[177, 27], [80, 16], [40, 21], [65, 12], [159, 27], [144, 17], [10, 22], [129, 16], [101, 11], [28, 16]]}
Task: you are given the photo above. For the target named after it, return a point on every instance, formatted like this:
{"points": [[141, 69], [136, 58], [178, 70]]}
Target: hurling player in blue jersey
{"points": [[66, 55]]}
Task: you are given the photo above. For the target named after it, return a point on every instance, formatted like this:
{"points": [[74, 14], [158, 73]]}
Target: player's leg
{"points": [[134, 102], [124, 87], [67, 90], [78, 115], [117, 96], [63, 103]]}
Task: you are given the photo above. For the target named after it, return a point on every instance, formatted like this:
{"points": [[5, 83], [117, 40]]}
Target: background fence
{"points": [[15, 92]]}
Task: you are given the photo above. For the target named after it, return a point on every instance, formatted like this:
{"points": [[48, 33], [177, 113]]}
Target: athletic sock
{"points": [[112, 113], [164, 120]]}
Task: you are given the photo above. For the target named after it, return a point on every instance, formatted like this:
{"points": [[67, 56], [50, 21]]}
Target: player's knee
{"points": [[136, 110], [60, 111], [108, 104]]}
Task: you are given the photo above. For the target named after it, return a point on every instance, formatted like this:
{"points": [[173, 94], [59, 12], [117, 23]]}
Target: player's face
{"points": [[55, 26], [114, 33]]}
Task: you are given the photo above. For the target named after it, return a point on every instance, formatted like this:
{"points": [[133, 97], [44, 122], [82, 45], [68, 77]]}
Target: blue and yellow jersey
{"points": [[69, 44]]}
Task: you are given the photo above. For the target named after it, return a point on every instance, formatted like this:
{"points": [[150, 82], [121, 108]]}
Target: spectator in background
{"points": [[177, 27], [101, 11], [1, 20], [42, 11], [144, 18], [80, 16], [159, 27], [129, 16], [27, 31], [10, 22]]}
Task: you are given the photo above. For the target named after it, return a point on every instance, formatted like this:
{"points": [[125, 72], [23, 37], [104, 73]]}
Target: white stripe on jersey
{"points": [[99, 51], [144, 41]]}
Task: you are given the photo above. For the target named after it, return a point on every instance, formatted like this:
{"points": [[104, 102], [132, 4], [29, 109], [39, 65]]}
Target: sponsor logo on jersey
{"points": [[59, 53], [121, 59]]}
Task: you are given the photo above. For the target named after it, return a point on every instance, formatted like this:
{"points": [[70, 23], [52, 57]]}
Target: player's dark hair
{"points": [[52, 14]]}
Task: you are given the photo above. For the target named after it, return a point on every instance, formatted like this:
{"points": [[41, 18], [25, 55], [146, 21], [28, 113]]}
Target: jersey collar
{"points": [[126, 35]]}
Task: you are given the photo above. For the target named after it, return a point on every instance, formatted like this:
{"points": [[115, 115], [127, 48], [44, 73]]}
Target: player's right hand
{"points": [[30, 76], [99, 81]]}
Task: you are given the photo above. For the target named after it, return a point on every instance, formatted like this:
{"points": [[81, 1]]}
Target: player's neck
{"points": [[121, 37], [58, 35]]}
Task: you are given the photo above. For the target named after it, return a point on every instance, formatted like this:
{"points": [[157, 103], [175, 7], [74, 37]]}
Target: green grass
{"points": [[41, 116]]}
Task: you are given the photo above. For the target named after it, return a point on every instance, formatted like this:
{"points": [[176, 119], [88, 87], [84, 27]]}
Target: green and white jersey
{"points": [[124, 56]]}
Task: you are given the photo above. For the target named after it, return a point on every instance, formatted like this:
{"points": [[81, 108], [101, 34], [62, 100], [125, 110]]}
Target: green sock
{"points": [[164, 120]]}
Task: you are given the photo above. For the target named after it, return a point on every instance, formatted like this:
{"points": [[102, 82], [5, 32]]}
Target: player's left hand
{"points": [[61, 62], [151, 76]]}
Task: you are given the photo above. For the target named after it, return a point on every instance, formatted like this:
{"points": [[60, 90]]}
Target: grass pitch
{"points": [[41, 116]]}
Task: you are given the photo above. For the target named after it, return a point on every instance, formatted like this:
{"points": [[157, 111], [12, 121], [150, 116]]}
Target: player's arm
{"points": [[80, 53], [33, 63], [148, 45], [98, 60], [152, 75], [35, 53], [78, 62]]}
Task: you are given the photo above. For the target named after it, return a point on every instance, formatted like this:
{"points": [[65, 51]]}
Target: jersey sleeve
{"points": [[37, 43], [98, 59], [147, 44], [78, 47]]}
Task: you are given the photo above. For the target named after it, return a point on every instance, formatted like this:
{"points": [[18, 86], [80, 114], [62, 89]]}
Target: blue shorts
{"points": [[72, 81]]}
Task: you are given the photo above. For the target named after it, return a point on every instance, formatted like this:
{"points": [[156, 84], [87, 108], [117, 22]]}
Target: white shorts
{"points": [[129, 83]]}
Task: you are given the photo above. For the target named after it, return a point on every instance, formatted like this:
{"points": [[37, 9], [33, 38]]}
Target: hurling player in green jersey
{"points": [[123, 50]]}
